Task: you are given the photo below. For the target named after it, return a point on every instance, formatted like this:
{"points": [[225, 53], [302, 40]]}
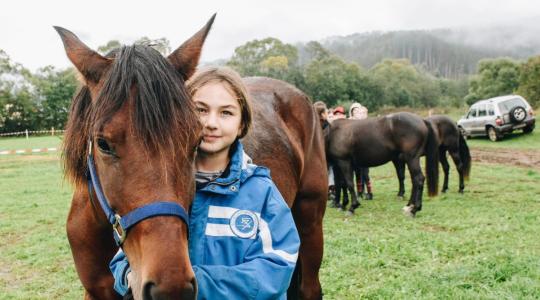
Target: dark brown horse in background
{"points": [[401, 138], [134, 115], [450, 140]]}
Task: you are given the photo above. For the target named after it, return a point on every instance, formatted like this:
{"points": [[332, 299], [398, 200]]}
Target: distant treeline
{"points": [[40, 100]]}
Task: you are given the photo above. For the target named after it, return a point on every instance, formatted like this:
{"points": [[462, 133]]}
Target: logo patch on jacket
{"points": [[244, 224]]}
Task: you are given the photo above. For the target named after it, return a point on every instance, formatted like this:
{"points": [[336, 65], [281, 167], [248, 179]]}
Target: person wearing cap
{"points": [[363, 183], [339, 113]]}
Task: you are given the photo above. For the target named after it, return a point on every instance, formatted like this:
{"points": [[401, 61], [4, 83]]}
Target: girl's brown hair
{"points": [[233, 83]]}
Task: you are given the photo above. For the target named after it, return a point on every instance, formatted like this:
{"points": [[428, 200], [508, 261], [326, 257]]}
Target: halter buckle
{"points": [[120, 233]]}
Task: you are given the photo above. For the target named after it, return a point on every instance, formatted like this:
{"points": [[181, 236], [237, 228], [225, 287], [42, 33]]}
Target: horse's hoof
{"points": [[444, 191], [400, 198], [349, 213], [460, 191], [407, 210], [369, 196]]}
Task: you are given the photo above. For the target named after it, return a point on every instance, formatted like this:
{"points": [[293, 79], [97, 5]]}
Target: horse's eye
{"points": [[103, 145]]}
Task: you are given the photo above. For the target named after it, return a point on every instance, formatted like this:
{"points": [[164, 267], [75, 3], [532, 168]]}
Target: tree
{"points": [[529, 81], [111, 45], [403, 85], [264, 58], [54, 90], [332, 80], [495, 77], [160, 44]]}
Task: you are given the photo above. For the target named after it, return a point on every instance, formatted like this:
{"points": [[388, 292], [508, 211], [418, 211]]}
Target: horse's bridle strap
{"points": [[121, 224]]}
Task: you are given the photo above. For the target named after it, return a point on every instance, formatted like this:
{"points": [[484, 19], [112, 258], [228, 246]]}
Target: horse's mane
{"points": [[163, 114]]}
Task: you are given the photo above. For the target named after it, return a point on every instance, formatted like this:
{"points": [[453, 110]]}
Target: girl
{"points": [[243, 243]]}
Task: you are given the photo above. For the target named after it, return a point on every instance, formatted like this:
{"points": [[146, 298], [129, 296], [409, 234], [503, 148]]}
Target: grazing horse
{"points": [[401, 138], [129, 149], [450, 140]]}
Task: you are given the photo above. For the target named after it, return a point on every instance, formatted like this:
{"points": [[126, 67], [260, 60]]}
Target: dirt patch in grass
{"points": [[524, 158]]}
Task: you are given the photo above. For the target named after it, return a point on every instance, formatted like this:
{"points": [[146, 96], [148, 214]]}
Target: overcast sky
{"points": [[26, 32]]}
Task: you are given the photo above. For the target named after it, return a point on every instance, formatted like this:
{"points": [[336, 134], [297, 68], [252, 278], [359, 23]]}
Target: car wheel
{"points": [[528, 129], [492, 134], [518, 114]]}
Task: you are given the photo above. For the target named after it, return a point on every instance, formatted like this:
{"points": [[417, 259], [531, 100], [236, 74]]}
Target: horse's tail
{"points": [[465, 156], [432, 160]]}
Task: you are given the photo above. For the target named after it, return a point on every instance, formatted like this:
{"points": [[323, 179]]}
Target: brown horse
{"points": [[401, 138], [451, 140], [134, 122]]}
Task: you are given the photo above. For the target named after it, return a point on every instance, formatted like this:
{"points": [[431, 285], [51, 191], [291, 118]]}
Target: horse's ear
{"points": [[186, 57], [90, 63]]}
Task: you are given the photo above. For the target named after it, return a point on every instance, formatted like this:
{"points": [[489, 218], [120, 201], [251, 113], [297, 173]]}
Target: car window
{"points": [[490, 110], [507, 105], [472, 113], [482, 111]]}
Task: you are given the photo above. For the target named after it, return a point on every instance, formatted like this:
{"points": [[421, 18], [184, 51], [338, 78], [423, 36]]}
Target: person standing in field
{"points": [[363, 183]]}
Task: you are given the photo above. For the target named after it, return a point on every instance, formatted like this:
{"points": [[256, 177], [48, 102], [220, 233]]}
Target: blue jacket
{"points": [[243, 243]]}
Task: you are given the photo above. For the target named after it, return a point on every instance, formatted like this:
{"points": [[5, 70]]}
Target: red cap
{"points": [[339, 109]]}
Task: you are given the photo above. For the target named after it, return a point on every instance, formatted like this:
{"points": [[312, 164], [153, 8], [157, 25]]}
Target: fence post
{"points": [[52, 131], [26, 131]]}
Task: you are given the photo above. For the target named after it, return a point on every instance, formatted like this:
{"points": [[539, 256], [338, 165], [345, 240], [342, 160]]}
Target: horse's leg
{"points": [[345, 196], [347, 173], [417, 178], [338, 183], [445, 166], [367, 182], [359, 183], [308, 218], [92, 247], [400, 171], [454, 153]]}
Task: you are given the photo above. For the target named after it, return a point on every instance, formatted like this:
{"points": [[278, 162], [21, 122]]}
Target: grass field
{"points": [[19, 143], [480, 245]]}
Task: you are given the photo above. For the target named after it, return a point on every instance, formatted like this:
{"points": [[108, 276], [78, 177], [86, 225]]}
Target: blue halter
{"points": [[121, 224]]}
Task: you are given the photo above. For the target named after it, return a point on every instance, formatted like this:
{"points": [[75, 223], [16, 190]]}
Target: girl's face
{"points": [[220, 114]]}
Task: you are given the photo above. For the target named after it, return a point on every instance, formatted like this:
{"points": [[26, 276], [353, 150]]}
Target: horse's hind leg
{"points": [[347, 173], [308, 213], [400, 171], [92, 247], [417, 178], [454, 153], [445, 167]]}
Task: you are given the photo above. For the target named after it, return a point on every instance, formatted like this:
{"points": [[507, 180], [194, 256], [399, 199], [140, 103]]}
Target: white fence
{"points": [[27, 132]]}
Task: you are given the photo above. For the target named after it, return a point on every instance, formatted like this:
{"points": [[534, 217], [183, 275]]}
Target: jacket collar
{"points": [[239, 169]]}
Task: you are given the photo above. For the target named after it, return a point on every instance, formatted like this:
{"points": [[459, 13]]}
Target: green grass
{"points": [[36, 260], [33, 142], [480, 245]]}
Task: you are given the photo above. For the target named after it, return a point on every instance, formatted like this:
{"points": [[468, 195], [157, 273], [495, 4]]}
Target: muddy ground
{"points": [[512, 157]]}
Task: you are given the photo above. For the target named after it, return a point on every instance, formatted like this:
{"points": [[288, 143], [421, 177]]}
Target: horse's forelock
{"points": [[163, 115]]}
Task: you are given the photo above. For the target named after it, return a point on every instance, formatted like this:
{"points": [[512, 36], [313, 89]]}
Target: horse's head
{"points": [[135, 121]]}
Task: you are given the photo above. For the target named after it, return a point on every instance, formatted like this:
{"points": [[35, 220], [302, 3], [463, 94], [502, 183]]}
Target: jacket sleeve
{"points": [[268, 263], [119, 266]]}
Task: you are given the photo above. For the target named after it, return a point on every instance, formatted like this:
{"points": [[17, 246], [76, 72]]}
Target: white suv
{"points": [[496, 116]]}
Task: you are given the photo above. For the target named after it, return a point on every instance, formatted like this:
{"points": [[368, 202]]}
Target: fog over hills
{"points": [[450, 53]]}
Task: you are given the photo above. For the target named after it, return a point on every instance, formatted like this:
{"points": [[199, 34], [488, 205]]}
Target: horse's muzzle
{"points": [[186, 291]]}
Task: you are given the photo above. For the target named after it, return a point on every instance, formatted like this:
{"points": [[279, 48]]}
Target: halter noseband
{"points": [[121, 224]]}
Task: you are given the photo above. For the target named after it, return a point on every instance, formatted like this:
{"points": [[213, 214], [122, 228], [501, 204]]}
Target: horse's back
{"points": [[285, 135], [447, 130]]}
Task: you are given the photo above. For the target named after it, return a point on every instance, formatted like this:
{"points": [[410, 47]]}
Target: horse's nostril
{"points": [[147, 291], [151, 291]]}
